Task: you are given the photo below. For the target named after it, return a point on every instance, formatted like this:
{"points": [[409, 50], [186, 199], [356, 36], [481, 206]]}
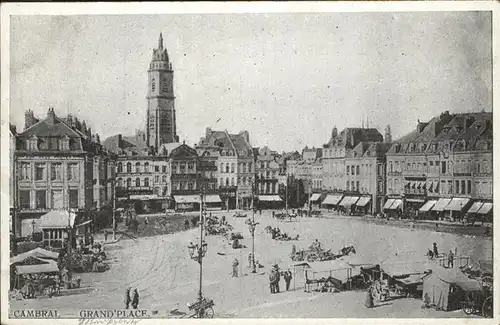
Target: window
{"points": [[190, 186], [357, 186], [390, 167], [157, 169], [64, 143], [137, 182], [146, 167], [129, 167], [457, 187], [249, 167], [348, 170], [463, 187], [450, 187], [157, 178], [129, 182], [227, 181], [39, 172], [56, 171], [164, 179], [397, 167], [227, 167], [469, 187], [137, 167], [146, 182], [73, 172], [190, 166], [25, 171], [153, 85], [24, 199], [163, 169], [221, 168], [232, 168], [443, 187], [41, 199], [232, 181], [73, 198], [357, 170], [443, 167], [431, 163], [120, 167], [347, 186]]}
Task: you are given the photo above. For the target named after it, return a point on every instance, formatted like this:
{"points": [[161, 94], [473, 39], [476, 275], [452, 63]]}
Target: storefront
{"points": [[348, 204], [412, 206], [270, 202], [314, 201], [438, 209], [394, 208], [456, 208], [425, 210], [213, 202], [58, 225], [363, 205], [187, 202], [148, 203]]}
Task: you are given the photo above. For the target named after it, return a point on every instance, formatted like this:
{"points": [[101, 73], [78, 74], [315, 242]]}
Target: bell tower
{"points": [[160, 123]]}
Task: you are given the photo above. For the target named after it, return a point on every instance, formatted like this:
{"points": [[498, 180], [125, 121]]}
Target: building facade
{"points": [[61, 165], [443, 167], [161, 121]]}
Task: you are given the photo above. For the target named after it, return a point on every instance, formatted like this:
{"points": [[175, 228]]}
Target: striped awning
{"points": [[332, 199], [396, 204], [349, 200], [457, 204], [270, 198], [475, 207], [315, 197], [388, 203], [441, 204], [186, 198], [486, 208], [427, 206], [213, 198], [364, 200]]}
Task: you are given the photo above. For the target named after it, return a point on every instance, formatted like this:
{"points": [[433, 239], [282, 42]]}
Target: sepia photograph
{"points": [[249, 165]]}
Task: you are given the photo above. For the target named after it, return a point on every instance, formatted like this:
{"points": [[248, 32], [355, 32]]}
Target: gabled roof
{"points": [[57, 129]]}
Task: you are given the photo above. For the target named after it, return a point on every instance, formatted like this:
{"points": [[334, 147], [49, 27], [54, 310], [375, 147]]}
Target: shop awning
{"points": [[388, 203], [57, 219], [415, 200], [457, 204], [441, 204], [213, 198], [364, 200], [187, 199], [397, 204], [427, 206], [475, 207], [270, 198], [144, 197], [332, 199], [349, 200], [486, 208], [315, 197]]}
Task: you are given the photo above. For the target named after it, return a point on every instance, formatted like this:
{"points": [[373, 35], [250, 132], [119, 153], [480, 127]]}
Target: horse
{"points": [[348, 250]]}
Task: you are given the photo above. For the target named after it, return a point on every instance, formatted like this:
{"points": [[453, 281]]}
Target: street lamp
{"points": [[33, 230], [198, 251], [251, 227]]}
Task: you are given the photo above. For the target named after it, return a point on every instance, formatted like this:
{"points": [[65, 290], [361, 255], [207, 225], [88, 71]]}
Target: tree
{"points": [[296, 192]]}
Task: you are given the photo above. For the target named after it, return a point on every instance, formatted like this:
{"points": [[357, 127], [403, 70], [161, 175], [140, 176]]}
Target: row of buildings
{"points": [[59, 164]]}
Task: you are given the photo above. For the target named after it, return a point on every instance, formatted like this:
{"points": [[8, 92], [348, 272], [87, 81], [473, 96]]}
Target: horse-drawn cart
{"points": [[202, 309]]}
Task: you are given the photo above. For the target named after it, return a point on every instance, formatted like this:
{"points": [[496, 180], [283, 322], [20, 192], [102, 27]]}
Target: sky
{"points": [[286, 78]]}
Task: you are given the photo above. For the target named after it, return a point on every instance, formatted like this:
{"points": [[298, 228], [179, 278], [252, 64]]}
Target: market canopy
{"points": [[403, 268], [364, 200], [388, 203], [475, 207], [315, 197], [332, 199], [187, 198], [457, 204], [49, 266], [486, 208], [213, 198], [37, 252], [455, 276], [441, 204], [428, 205], [57, 219], [270, 198]]}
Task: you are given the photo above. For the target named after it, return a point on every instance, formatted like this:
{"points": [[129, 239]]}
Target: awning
{"points": [[57, 219], [270, 198], [486, 208], [441, 204], [457, 204], [415, 200], [49, 267], [332, 199], [315, 197], [37, 252], [475, 207], [187, 199], [396, 204], [364, 200], [349, 200], [212, 198], [427, 206], [388, 203], [144, 197], [84, 223]]}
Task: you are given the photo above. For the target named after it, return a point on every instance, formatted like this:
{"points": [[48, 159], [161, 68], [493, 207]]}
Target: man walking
{"points": [[451, 257], [105, 235], [127, 298], [235, 268], [135, 299], [288, 278], [435, 249]]}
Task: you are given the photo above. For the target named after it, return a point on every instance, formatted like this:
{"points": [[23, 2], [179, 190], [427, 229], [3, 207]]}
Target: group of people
{"points": [[434, 253], [134, 300], [275, 276]]}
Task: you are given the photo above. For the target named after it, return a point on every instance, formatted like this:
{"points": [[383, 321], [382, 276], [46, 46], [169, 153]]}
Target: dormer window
{"points": [[33, 143], [64, 143]]}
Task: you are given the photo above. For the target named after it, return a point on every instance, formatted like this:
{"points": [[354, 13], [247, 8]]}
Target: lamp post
{"points": [[198, 251], [251, 227], [114, 208], [33, 230]]}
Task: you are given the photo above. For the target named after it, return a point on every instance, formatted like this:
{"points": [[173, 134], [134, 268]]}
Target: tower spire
{"points": [[160, 42]]}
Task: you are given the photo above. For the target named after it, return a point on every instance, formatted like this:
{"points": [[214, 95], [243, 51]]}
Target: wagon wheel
{"points": [[488, 307], [468, 305], [207, 312]]}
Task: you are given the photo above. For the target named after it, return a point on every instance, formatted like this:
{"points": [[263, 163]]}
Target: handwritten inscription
{"points": [[87, 321]]}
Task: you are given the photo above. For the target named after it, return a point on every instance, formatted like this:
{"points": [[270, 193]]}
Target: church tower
{"points": [[160, 124]]}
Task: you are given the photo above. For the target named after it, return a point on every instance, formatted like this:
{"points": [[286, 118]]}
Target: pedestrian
{"points": [[451, 257], [235, 268], [249, 260], [271, 281], [135, 299], [435, 250], [105, 235], [91, 240], [127, 298], [146, 221], [369, 298], [288, 278], [273, 214]]}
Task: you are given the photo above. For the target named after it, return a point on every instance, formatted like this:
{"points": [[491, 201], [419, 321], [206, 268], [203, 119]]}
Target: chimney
{"points": [[89, 132], [208, 132], [245, 135], [388, 135], [51, 116], [29, 119], [84, 127], [98, 139], [421, 126], [120, 141], [334, 132]]}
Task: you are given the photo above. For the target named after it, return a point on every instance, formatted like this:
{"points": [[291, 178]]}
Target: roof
{"points": [[57, 219], [457, 277], [37, 252], [49, 266], [350, 137]]}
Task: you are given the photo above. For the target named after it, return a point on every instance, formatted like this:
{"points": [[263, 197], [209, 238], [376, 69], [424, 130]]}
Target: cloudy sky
{"points": [[286, 78]]}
